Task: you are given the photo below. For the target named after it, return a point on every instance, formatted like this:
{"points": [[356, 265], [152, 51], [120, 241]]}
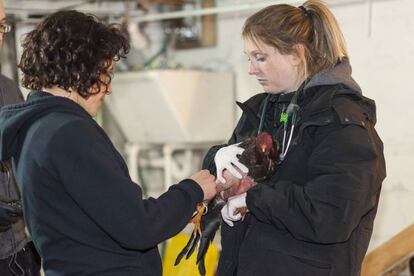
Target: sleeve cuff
{"points": [[192, 189]]}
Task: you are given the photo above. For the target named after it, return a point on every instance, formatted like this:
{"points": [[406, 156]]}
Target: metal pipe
{"points": [[205, 11], [138, 16]]}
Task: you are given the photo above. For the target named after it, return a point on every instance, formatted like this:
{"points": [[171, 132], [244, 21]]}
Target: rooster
{"points": [[260, 156]]}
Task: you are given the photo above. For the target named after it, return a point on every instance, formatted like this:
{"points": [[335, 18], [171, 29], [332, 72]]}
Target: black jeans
{"points": [[25, 263]]}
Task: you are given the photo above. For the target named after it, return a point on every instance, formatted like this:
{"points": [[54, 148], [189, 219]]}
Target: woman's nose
{"points": [[252, 69]]}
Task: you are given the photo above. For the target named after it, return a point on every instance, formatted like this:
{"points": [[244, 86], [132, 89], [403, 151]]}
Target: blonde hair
{"points": [[312, 25]]}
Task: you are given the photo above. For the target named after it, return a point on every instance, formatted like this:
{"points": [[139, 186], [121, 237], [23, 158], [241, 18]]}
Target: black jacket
{"points": [[84, 213], [315, 215]]}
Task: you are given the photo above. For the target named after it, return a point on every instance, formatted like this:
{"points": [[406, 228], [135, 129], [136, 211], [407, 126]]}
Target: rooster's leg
{"points": [[195, 235], [196, 220]]}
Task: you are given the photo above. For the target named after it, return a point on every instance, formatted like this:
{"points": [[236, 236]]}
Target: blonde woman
{"points": [[315, 215]]}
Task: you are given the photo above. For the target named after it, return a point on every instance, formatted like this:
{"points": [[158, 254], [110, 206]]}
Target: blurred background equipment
{"points": [[171, 109]]}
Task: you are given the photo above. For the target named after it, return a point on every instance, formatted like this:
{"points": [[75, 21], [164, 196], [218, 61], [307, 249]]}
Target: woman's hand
{"points": [[230, 211], [226, 159], [207, 183]]}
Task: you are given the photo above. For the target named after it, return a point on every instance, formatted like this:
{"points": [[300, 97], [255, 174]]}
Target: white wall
{"points": [[383, 60], [380, 37]]}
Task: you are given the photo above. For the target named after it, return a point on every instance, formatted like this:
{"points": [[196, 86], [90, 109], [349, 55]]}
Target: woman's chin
{"points": [[269, 89]]}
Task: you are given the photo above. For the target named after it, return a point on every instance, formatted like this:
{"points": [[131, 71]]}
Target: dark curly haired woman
{"points": [[84, 213]]}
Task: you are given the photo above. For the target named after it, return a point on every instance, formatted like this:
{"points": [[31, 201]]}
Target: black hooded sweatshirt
{"points": [[84, 213]]}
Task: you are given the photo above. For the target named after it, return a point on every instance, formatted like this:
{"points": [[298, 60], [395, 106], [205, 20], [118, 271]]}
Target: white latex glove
{"points": [[226, 159], [233, 203]]}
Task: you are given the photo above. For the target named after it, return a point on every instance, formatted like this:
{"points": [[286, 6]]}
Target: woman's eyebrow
{"points": [[256, 53]]}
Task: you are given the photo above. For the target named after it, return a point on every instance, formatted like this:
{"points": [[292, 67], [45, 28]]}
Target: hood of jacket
{"points": [[16, 119], [339, 74]]}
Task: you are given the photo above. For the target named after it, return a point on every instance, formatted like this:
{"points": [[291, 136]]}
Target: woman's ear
{"points": [[298, 54]]}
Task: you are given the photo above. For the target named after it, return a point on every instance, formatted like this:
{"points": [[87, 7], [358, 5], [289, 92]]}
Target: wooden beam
{"points": [[388, 254], [209, 25]]}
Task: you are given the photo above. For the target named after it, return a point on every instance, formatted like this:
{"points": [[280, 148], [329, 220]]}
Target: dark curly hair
{"points": [[71, 50]]}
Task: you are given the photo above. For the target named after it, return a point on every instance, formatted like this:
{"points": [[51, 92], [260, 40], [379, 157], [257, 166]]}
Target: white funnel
{"points": [[173, 106]]}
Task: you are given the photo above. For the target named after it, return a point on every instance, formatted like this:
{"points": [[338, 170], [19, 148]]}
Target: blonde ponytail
{"points": [[328, 41]]}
